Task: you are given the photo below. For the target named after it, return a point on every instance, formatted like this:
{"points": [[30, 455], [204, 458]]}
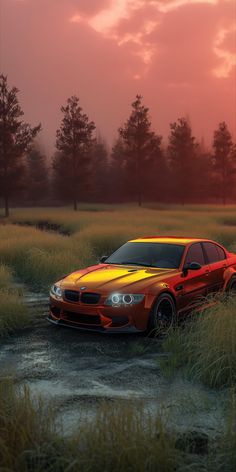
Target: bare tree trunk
{"points": [[140, 199], [6, 205], [139, 180], [74, 179], [6, 198], [140, 192], [224, 187]]}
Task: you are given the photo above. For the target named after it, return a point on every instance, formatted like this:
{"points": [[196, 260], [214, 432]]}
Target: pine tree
{"points": [[38, 182], [202, 185], [141, 144], [158, 184], [74, 141], [117, 173], [223, 161], [16, 137], [182, 156], [99, 170]]}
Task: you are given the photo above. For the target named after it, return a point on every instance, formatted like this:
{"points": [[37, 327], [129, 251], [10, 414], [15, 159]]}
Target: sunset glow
{"points": [[180, 53]]}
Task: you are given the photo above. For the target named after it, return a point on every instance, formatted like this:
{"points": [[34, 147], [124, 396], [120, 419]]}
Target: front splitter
{"points": [[98, 329]]}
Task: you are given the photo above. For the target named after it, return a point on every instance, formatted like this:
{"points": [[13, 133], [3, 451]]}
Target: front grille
{"points": [[71, 295], [90, 298], [82, 318]]}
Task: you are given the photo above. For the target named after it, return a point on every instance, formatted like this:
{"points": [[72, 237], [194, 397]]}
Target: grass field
{"points": [[13, 311], [39, 257], [205, 346], [120, 438], [34, 252]]}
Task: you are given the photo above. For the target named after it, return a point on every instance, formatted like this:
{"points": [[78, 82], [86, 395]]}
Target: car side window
{"points": [[221, 253], [214, 252], [195, 254]]}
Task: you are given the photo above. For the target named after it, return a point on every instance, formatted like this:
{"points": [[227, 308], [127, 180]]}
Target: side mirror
{"points": [[194, 266], [191, 266], [102, 259]]}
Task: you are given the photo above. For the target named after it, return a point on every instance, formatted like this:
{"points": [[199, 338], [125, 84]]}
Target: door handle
{"points": [[207, 272]]}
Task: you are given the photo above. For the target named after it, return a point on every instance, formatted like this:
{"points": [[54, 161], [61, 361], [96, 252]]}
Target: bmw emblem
{"points": [[83, 288]]}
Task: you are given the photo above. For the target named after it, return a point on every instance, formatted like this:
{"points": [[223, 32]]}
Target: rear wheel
{"points": [[163, 315]]}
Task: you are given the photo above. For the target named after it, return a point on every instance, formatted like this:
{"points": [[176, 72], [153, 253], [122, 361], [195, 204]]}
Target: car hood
{"points": [[106, 278]]}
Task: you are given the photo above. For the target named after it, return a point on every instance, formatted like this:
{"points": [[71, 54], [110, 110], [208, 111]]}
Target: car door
{"points": [[194, 284], [216, 259]]}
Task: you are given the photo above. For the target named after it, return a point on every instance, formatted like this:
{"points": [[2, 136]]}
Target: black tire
{"points": [[232, 287], [163, 315]]}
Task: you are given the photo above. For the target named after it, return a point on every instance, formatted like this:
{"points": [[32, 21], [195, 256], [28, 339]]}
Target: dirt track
{"points": [[76, 370]]}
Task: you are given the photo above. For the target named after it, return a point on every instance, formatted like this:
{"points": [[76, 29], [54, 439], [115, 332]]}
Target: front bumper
{"points": [[100, 329], [130, 319]]}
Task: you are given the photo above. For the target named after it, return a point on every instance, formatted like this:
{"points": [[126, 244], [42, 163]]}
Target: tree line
{"points": [[140, 167]]}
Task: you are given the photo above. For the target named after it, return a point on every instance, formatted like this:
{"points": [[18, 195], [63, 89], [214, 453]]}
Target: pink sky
{"points": [[179, 54]]}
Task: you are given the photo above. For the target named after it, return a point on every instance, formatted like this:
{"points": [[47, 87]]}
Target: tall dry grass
{"points": [[121, 437], [192, 220], [40, 257], [205, 347], [26, 427], [6, 277], [13, 311]]}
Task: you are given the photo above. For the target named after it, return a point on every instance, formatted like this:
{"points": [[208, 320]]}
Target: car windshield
{"points": [[159, 255]]}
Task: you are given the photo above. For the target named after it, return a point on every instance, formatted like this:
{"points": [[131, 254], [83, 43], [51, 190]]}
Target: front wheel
{"points": [[163, 315], [232, 286]]}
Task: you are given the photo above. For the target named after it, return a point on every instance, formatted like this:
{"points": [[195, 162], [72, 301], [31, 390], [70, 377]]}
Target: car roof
{"points": [[168, 240]]}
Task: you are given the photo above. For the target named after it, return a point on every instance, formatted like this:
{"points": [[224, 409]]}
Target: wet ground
{"points": [[76, 370]]}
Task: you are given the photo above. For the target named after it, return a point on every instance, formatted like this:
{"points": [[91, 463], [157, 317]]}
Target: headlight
{"points": [[124, 299], [56, 292]]}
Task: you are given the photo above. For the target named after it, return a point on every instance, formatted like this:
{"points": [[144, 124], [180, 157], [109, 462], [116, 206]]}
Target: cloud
{"points": [[133, 22], [169, 5], [224, 48]]}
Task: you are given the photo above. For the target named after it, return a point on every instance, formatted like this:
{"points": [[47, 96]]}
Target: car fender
{"points": [[228, 274], [161, 288]]}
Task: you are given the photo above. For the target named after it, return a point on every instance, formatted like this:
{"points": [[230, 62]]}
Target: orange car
{"points": [[148, 282]]}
